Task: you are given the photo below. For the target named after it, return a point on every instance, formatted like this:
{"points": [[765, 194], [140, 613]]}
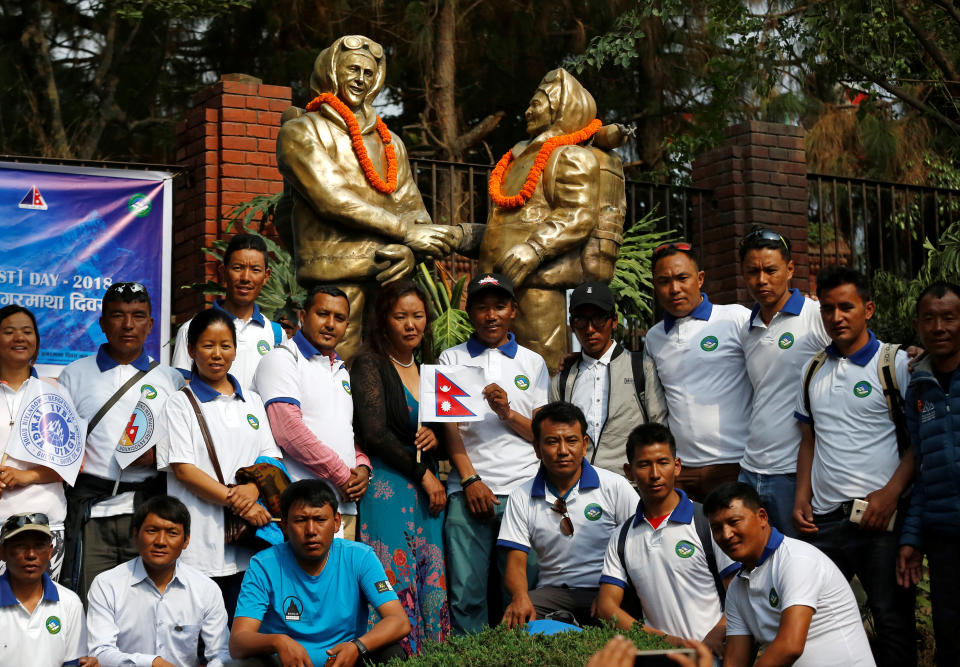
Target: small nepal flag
{"points": [[451, 393]]}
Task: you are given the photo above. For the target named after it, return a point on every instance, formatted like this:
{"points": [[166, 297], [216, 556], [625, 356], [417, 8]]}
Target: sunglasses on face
{"points": [[765, 235], [566, 523], [598, 321]]}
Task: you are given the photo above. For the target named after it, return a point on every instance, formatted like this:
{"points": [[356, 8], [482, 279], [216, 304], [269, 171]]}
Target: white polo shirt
{"points": [[298, 374], [45, 498], [855, 451], [775, 355], [501, 457], [240, 433], [130, 622], [591, 391], [53, 635], [669, 571], [596, 504], [255, 337], [699, 362], [90, 382], [791, 572]]}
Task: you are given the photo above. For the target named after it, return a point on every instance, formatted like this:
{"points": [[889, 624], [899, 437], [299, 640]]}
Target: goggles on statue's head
{"points": [[355, 43]]}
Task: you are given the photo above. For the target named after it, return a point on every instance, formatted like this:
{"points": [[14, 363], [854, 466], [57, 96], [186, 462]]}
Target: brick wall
{"points": [[228, 142], [758, 177]]}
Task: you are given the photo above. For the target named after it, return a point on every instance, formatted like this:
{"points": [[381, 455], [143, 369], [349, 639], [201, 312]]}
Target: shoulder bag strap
{"points": [[891, 392], [117, 394], [205, 432], [702, 527], [639, 380], [621, 551], [818, 360]]}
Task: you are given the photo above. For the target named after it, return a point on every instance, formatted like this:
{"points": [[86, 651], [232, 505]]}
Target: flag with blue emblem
{"points": [[47, 431], [452, 394]]}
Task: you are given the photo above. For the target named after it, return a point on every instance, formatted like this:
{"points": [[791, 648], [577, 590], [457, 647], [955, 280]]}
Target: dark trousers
{"points": [[872, 556], [698, 482], [229, 586], [942, 550]]}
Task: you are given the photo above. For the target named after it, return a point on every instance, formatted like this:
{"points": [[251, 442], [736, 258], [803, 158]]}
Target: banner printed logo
{"points": [[49, 430], [139, 205], [139, 429], [447, 403], [33, 200]]}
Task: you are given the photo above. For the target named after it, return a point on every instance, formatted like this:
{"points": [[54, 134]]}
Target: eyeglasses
{"points": [[566, 523], [598, 321], [764, 234], [661, 249], [126, 288], [19, 521]]}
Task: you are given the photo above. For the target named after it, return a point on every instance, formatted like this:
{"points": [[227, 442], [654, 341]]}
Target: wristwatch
{"points": [[360, 647], [369, 470]]}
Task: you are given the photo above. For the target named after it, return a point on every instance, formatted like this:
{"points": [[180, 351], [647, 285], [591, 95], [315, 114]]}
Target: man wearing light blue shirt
{"points": [[151, 611]]}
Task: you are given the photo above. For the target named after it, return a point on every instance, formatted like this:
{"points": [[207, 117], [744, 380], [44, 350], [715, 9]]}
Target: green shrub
{"points": [[500, 647]]}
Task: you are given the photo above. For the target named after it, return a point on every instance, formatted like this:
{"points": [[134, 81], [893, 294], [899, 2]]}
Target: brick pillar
{"points": [[758, 177], [228, 142]]}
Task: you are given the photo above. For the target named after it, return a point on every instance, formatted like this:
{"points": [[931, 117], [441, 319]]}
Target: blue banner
{"points": [[67, 234]]}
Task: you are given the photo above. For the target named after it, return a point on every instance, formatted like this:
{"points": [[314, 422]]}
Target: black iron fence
{"points": [[875, 225], [456, 192]]}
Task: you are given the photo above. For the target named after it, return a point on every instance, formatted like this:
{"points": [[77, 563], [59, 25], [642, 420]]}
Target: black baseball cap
{"points": [[489, 281], [592, 294]]}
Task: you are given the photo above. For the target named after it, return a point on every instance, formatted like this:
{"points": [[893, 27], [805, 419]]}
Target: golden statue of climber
{"points": [[559, 206], [357, 217]]}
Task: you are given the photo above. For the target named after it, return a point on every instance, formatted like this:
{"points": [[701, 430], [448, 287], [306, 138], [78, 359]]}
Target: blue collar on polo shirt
{"points": [[701, 312], [307, 349], [33, 372], [793, 306], [256, 317], [105, 362], [774, 541], [476, 347], [589, 479], [682, 513], [206, 393], [7, 598], [862, 356]]}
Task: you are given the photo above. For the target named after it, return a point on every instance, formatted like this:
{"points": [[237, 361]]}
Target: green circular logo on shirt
{"points": [[253, 421], [786, 341], [53, 625], [684, 549], [862, 389], [709, 343], [593, 512], [522, 382], [774, 598], [346, 388], [148, 391], [263, 347]]}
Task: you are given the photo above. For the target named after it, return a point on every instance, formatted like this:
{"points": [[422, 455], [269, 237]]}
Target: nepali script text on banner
{"points": [[67, 234], [452, 394]]}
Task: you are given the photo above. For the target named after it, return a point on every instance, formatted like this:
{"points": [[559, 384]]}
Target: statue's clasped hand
{"points": [[433, 240]]}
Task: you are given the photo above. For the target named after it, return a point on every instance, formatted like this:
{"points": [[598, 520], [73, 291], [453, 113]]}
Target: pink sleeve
{"points": [[362, 459], [298, 441]]}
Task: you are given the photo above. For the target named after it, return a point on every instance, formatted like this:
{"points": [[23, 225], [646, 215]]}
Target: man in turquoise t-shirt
{"points": [[307, 598]]}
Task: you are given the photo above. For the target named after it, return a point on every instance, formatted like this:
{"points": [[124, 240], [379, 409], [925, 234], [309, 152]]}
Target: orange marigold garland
{"points": [[353, 127], [536, 171]]}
